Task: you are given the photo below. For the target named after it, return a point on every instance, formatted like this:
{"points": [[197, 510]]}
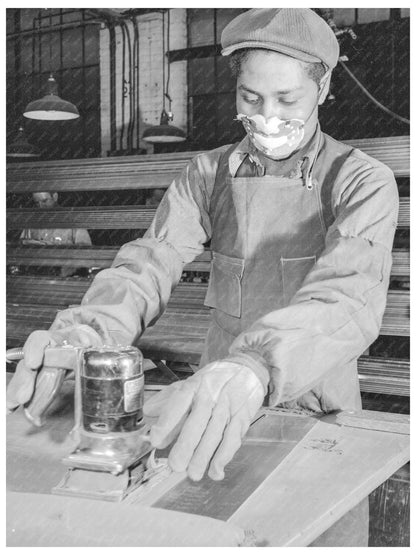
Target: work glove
{"points": [[22, 385], [210, 412]]}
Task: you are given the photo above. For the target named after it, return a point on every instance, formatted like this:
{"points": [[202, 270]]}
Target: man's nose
{"points": [[270, 110]]}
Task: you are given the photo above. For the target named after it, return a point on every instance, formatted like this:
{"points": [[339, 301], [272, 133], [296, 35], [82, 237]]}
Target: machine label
{"points": [[133, 394]]}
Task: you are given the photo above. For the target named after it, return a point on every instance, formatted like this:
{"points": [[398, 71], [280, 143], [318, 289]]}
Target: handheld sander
{"points": [[113, 453]]}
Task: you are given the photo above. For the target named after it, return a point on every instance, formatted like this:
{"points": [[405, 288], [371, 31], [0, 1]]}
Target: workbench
{"points": [[294, 477]]}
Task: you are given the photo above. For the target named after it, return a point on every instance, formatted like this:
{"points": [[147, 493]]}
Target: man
{"points": [[301, 229], [53, 236], [56, 236]]}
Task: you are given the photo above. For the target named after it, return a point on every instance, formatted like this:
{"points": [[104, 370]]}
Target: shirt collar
{"points": [[246, 148]]}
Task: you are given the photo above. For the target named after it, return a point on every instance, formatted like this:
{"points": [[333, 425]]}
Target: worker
{"points": [[53, 236], [57, 237], [301, 229]]}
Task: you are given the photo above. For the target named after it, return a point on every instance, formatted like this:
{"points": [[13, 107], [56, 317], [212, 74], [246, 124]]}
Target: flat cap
{"points": [[296, 32]]}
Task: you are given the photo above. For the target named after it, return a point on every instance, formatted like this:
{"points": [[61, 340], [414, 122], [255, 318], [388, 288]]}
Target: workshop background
{"points": [[121, 67], [124, 70]]}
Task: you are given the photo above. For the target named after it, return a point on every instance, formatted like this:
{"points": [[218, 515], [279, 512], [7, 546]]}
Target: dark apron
{"points": [[268, 232]]}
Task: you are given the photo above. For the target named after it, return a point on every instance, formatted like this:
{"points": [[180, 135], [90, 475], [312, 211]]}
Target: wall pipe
{"points": [[131, 90], [54, 28], [136, 80], [123, 80], [113, 130]]}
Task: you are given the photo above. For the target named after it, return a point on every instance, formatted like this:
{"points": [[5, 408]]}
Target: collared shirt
{"points": [[333, 317], [245, 160]]}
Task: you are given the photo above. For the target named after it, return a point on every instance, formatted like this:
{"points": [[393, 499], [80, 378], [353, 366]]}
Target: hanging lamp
{"points": [[21, 148], [51, 106], [165, 132]]}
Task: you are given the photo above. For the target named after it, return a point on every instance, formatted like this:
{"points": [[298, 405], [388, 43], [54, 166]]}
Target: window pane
{"points": [[50, 52], [71, 85], [91, 99], [368, 15], [10, 61], [27, 16], [48, 18], [203, 119], [71, 15], [228, 130], [344, 16], [26, 45], [201, 76], [201, 26], [92, 44], [72, 48], [224, 16], [10, 13], [225, 81], [56, 49], [28, 90]]}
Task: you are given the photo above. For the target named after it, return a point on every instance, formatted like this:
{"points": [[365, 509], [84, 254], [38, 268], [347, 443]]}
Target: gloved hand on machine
{"points": [[21, 388], [207, 414]]}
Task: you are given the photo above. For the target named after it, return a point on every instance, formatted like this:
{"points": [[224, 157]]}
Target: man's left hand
{"points": [[209, 413]]}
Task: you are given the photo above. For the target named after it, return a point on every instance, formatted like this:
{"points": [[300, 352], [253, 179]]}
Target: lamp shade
{"points": [[164, 132], [51, 107], [21, 148]]}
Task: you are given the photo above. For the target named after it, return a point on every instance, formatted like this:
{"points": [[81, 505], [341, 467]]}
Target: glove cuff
{"points": [[77, 335], [252, 360]]}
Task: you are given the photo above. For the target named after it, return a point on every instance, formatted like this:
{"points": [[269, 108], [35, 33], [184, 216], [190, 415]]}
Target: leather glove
{"points": [[22, 385], [210, 412]]}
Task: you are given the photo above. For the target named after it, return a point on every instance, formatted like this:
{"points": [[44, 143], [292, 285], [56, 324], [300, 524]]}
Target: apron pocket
{"points": [[224, 288], [294, 271]]}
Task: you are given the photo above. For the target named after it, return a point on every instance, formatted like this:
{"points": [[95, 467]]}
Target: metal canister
{"points": [[112, 386]]}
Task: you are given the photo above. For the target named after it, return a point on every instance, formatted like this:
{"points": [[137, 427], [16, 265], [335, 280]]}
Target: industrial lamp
{"points": [[21, 148], [164, 132], [51, 106]]}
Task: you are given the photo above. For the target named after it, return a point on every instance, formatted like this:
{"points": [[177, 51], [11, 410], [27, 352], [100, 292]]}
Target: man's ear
{"points": [[324, 87]]}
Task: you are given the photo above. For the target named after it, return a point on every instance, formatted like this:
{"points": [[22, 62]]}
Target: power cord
{"points": [[371, 97], [328, 16]]}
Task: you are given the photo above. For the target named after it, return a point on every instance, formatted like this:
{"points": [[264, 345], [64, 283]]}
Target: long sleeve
{"points": [[337, 312], [124, 299]]}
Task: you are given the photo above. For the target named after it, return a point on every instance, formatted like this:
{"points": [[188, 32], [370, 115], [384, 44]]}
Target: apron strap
{"points": [[222, 172]]}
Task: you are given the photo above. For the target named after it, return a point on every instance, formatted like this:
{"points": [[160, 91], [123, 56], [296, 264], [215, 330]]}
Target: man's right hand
{"points": [[22, 385]]}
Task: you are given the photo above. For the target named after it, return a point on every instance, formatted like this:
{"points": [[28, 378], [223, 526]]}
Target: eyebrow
{"points": [[246, 89]]}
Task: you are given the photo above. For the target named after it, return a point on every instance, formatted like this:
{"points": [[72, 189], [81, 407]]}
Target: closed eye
{"points": [[288, 102], [251, 100]]}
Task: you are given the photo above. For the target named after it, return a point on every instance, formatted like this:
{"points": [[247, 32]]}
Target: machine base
{"points": [[95, 484], [106, 467]]}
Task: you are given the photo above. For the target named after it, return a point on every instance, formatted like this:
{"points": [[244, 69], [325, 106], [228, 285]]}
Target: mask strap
{"points": [[324, 86]]}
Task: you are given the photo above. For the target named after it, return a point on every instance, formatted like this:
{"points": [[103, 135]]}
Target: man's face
{"points": [[45, 200], [272, 84]]}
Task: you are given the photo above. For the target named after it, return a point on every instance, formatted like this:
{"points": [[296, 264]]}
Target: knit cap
{"points": [[296, 32]]}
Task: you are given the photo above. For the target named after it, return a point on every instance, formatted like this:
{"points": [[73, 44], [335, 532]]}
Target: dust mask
{"points": [[275, 138]]}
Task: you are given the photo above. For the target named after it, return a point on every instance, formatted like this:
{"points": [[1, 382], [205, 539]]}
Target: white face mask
{"points": [[275, 138]]}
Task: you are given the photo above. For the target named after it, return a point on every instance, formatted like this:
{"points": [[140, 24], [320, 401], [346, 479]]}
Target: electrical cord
{"points": [[371, 97], [328, 16]]}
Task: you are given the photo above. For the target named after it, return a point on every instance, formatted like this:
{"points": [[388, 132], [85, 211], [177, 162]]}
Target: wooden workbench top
{"points": [[293, 477]]}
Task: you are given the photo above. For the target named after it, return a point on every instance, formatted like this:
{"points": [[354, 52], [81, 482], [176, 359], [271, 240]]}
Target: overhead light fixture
{"points": [[165, 132], [51, 106], [21, 148]]}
